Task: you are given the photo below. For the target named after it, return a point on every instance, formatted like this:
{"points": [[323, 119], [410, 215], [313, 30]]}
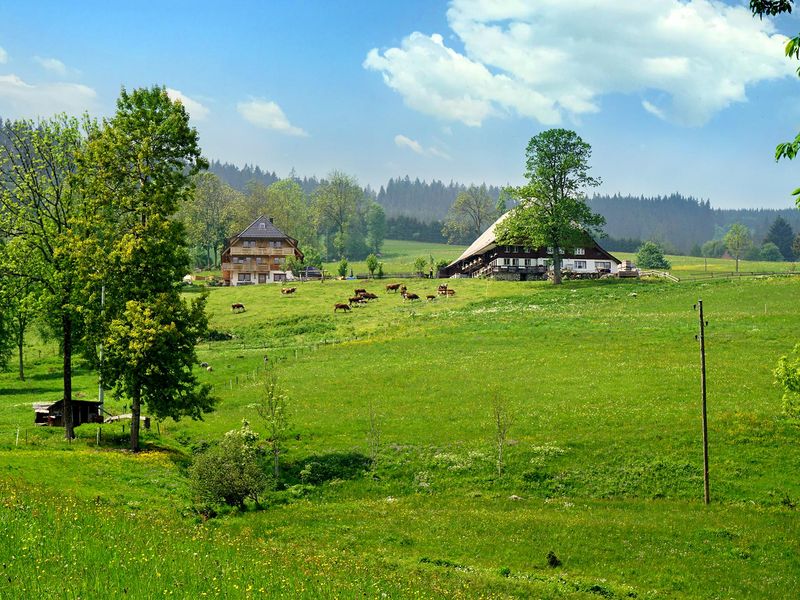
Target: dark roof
{"points": [[262, 228]]}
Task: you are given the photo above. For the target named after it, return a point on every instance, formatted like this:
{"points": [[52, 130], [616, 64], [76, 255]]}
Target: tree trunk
{"points": [[66, 326], [556, 268], [136, 411], [737, 264], [20, 343]]}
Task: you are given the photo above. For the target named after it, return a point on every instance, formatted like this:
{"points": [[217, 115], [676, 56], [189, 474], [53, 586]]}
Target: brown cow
{"points": [[403, 289], [341, 306], [290, 290], [408, 296], [359, 291], [237, 307], [442, 289], [392, 287], [369, 296], [431, 297], [450, 292], [356, 300]]}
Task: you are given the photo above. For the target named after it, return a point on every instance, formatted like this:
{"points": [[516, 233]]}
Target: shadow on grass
{"points": [[27, 391], [319, 468]]}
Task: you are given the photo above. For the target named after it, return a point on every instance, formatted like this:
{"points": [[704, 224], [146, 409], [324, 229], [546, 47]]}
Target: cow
{"points": [[450, 292], [392, 287], [237, 307], [341, 306], [356, 300], [403, 289], [431, 297], [442, 289], [359, 291], [408, 296], [288, 291], [369, 296]]}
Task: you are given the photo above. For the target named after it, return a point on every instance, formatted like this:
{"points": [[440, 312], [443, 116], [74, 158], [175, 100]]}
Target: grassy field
{"points": [[604, 465], [398, 256], [695, 267]]}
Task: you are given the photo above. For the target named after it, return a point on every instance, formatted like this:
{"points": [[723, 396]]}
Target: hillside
{"points": [[604, 453]]}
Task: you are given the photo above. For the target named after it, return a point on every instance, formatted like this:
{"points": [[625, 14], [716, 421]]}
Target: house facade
{"points": [[485, 258], [258, 254]]}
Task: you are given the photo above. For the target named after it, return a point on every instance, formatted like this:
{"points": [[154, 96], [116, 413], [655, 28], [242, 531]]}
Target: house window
{"points": [[262, 225], [549, 249], [600, 264], [515, 261], [275, 244], [580, 264], [249, 244], [258, 260], [244, 276], [580, 251]]}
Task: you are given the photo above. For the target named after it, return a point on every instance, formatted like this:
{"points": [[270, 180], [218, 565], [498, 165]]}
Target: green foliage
{"points": [[376, 227], [796, 246], [472, 212], [552, 209], [787, 375], [770, 253], [341, 268], [273, 408], [419, 265], [229, 472], [207, 216], [651, 256], [781, 234], [441, 264], [714, 248], [341, 465], [738, 241], [372, 264], [380, 270], [335, 206]]}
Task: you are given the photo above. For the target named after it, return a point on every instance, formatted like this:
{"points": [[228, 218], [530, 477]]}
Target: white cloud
{"points": [[3, 56], [268, 115], [52, 64], [547, 59], [21, 99], [402, 141], [195, 109]]}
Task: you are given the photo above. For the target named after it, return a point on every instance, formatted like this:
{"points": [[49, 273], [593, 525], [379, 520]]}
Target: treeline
{"points": [[422, 200], [679, 222]]}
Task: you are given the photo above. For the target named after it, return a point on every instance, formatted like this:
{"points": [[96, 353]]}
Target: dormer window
{"points": [[580, 251], [262, 225]]}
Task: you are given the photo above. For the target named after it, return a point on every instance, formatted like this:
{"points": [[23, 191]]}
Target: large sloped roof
{"points": [[262, 228], [486, 239]]}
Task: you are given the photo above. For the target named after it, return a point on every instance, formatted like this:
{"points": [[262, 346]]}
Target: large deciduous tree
{"points": [[552, 209], [137, 173], [334, 204], [207, 215], [472, 212], [738, 241], [38, 205]]}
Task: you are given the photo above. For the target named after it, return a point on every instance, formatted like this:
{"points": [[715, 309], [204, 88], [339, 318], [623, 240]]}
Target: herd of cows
{"points": [[361, 296]]}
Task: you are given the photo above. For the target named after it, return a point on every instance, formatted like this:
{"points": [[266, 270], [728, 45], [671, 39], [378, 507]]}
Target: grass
{"points": [[696, 267], [605, 453], [398, 256]]}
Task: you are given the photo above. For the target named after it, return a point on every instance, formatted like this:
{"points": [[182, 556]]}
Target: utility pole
{"points": [[702, 340]]}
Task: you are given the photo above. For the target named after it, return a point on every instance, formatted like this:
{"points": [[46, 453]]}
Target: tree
{"points": [[419, 265], [229, 472], [772, 8], [376, 227], [781, 234], [651, 256], [137, 173], [770, 252], [738, 241], [471, 213], [787, 375], [273, 410], [39, 202], [207, 215], [796, 246], [334, 204], [552, 210], [372, 264], [713, 248], [341, 268]]}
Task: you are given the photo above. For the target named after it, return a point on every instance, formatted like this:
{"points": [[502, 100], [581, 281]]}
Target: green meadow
{"points": [[603, 466]]}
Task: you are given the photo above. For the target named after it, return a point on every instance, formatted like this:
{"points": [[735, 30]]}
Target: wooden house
{"points": [[52, 413], [258, 254], [485, 258]]}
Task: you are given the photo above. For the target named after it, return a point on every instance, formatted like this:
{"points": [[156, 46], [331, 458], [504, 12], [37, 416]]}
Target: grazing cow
{"points": [[369, 296], [450, 292], [341, 306], [204, 364], [356, 300], [431, 297], [392, 287], [287, 291], [442, 289], [237, 307], [209, 368], [359, 291], [403, 289], [408, 296]]}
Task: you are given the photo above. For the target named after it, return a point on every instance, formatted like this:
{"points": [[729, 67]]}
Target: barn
{"points": [[52, 413], [485, 258]]}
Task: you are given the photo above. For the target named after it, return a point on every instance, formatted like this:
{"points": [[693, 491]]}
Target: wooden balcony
{"points": [[242, 251], [250, 267]]}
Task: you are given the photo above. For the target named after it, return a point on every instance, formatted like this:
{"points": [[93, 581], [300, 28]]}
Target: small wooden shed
{"points": [[52, 413]]}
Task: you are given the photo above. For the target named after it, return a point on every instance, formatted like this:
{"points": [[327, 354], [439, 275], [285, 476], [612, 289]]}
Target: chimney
{"points": [[270, 220]]}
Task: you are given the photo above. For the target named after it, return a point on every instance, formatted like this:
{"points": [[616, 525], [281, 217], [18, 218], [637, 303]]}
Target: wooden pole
{"points": [[707, 496]]}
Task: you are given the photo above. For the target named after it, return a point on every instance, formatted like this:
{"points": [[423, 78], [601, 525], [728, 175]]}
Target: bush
{"points": [[380, 270], [714, 249], [231, 471], [770, 252], [651, 256], [372, 264], [420, 264], [342, 268], [339, 465]]}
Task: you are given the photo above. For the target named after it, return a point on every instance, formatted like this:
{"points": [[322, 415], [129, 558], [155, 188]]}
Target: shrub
{"points": [[339, 465], [372, 264], [342, 268], [770, 252], [229, 472], [787, 375], [420, 264], [380, 270], [651, 256], [552, 560]]}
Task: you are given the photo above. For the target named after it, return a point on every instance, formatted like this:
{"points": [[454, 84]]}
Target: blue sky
{"points": [[673, 95]]}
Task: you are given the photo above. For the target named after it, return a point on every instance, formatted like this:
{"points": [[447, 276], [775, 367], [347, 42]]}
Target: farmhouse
{"points": [[258, 254], [520, 263], [52, 413]]}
